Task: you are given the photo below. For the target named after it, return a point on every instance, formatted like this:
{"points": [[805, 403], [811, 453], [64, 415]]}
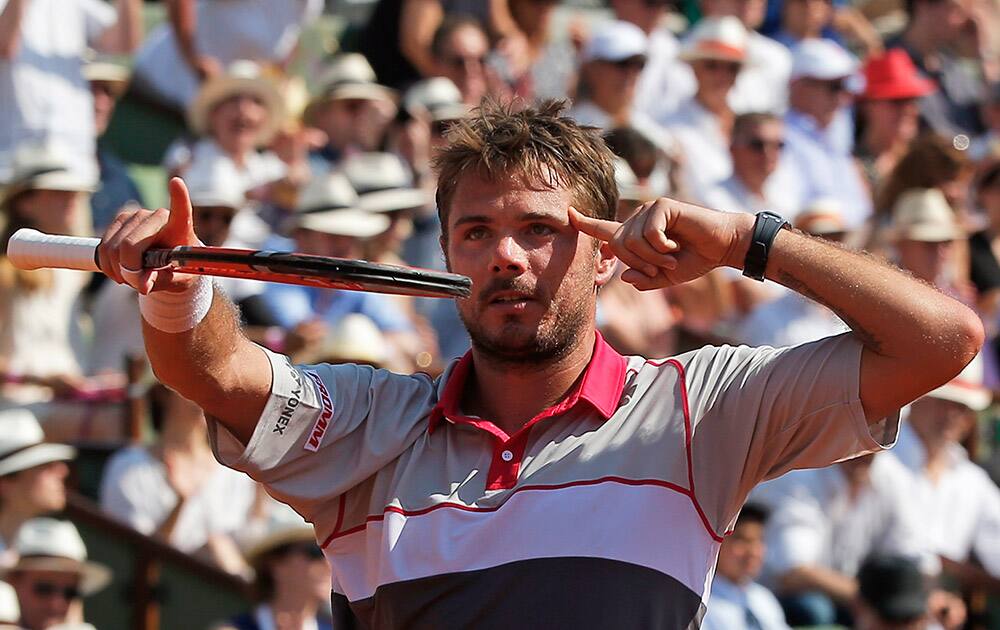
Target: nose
{"points": [[508, 257]]}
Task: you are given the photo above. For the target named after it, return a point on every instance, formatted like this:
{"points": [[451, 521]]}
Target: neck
{"points": [[879, 142], [716, 105], [538, 386], [11, 519], [296, 603], [921, 37], [752, 183]]}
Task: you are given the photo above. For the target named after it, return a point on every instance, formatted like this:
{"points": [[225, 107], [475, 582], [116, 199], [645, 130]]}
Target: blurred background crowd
{"points": [[306, 126]]}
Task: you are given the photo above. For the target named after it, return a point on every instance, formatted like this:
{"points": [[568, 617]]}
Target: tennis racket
{"points": [[31, 249]]}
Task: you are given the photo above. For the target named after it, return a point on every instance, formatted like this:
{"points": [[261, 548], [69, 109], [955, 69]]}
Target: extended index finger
{"points": [[598, 228]]}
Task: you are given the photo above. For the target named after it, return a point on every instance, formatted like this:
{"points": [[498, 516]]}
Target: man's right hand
{"points": [[133, 232]]}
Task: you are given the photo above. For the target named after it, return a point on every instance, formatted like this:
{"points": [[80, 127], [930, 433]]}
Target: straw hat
{"points": [[23, 446], [47, 544], [350, 76], [717, 38], [329, 204], [43, 167], [241, 77], [106, 70], [967, 388], [438, 98], [354, 339], [283, 527], [923, 214], [383, 183]]}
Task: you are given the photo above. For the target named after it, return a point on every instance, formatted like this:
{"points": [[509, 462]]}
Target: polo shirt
{"points": [[743, 607], [605, 510]]}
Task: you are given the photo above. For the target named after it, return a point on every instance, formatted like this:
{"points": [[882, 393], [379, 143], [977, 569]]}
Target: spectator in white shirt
{"points": [[202, 37], [665, 81], [819, 131], [44, 96], [957, 503], [702, 126], [737, 601], [762, 86], [613, 59]]}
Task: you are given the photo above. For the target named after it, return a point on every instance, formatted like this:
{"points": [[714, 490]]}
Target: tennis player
{"points": [[545, 481]]}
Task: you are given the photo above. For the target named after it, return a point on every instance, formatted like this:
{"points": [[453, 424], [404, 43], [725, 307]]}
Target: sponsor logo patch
{"points": [[323, 422], [293, 402]]}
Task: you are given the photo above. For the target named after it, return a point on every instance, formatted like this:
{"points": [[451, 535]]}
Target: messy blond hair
{"points": [[538, 146]]}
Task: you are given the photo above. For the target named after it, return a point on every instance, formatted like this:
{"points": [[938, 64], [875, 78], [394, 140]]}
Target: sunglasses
{"points": [[632, 63], [48, 589], [714, 65], [833, 87], [209, 215], [760, 145]]}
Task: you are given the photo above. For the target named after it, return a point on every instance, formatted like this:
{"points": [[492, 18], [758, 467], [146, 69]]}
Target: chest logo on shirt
{"points": [[291, 404], [323, 422]]}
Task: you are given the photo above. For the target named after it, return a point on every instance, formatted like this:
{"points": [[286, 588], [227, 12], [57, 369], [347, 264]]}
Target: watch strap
{"points": [[765, 228]]}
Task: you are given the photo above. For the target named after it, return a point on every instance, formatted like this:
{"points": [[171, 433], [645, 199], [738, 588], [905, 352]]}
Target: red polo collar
{"points": [[601, 386]]}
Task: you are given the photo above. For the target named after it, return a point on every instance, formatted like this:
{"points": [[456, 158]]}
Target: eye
{"points": [[540, 229], [476, 233]]}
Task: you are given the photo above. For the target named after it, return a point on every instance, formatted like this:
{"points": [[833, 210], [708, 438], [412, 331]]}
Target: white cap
{"points": [[22, 444], [383, 182], [350, 76], [215, 183], [615, 41], [967, 388], [10, 612], [822, 59], [923, 214], [47, 544], [241, 77], [722, 38], [438, 97]]}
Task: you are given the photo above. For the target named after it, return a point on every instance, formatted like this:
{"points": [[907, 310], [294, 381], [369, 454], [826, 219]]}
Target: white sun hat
{"points": [[616, 40], [10, 611], [44, 166], [353, 339], [47, 544], [350, 76], [329, 204], [719, 38], [923, 214], [438, 97], [383, 183], [22, 443], [822, 59], [216, 184], [241, 77], [967, 388]]}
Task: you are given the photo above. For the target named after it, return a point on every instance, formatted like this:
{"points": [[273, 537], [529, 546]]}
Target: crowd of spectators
{"points": [[872, 123]]}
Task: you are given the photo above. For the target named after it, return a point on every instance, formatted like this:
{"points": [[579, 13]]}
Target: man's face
{"points": [[104, 94], [463, 60], [928, 261], [38, 490], [819, 98], [236, 122], [949, 16], [534, 276], [897, 118], [354, 121], [715, 77], [45, 597], [938, 421], [646, 14], [612, 83], [51, 211], [211, 224], [742, 553], [807, 16], [756, 153]]}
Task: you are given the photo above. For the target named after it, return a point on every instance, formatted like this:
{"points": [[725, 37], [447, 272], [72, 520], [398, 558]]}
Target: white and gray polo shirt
{"points": [[604, 511]]}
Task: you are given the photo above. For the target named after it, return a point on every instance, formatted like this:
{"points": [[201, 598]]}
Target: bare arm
{"points": [[213, 364], [10, 28], [183, 16], [418, 20], [126, 34], [915, 338]]}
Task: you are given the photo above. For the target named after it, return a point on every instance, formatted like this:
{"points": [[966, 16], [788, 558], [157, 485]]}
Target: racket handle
{"points": [[31, 249]]}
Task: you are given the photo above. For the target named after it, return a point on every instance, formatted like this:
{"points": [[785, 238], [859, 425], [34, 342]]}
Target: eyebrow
{"points": [[527, 216]]}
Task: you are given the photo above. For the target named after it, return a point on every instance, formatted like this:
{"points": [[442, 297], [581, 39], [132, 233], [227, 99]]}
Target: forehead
{"points": [[508, 197]]}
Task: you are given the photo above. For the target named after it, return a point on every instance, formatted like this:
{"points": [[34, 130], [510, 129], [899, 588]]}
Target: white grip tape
{"points": [[31, 249]]}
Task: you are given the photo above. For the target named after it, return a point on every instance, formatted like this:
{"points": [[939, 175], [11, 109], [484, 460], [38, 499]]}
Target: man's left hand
{"points": [[668, 242]]}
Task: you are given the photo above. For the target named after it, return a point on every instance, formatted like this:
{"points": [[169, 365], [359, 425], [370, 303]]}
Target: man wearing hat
{"points": [[957, 504], [108, 82], [32, 476], [53, 575], [925, 233], [352, 109], [818, 129], [716, 51], [612, 61], [460, 50], [889, 113]]}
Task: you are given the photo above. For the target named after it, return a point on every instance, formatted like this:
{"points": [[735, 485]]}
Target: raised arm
{"points": [[212, 364], [10, 28], [183, 16], [125, 35], [915, 338]]}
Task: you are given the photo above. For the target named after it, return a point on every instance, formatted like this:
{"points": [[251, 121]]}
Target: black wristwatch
{"points": [[765, 228]]}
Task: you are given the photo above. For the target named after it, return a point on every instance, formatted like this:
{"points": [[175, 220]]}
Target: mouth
{"points": [[512, 299]]}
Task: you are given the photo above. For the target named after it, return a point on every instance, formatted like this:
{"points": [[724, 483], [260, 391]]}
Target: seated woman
{"points": [[175, 490]]}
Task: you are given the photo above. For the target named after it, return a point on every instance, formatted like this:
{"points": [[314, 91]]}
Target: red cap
{"points": [[894, 76]]}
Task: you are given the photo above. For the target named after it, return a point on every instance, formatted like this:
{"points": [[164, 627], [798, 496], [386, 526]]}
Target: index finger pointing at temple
{"points": [[598, 228]]}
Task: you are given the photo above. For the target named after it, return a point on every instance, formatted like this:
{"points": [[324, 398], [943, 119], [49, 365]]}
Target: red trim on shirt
{"points": [[471, 508]]}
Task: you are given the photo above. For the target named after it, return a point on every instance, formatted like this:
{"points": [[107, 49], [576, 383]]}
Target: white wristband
{"points": [[177, 312]]}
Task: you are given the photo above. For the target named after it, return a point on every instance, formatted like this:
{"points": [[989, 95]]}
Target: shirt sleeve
{"points": [[757, 413], [325, 429], [98, 17], [119, 496]]}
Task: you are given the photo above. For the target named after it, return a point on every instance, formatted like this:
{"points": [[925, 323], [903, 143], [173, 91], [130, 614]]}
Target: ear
{"points": [[606, 263]]}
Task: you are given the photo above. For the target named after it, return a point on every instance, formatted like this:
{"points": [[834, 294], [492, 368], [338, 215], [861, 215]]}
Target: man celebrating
{"points": [[544, 480]]}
